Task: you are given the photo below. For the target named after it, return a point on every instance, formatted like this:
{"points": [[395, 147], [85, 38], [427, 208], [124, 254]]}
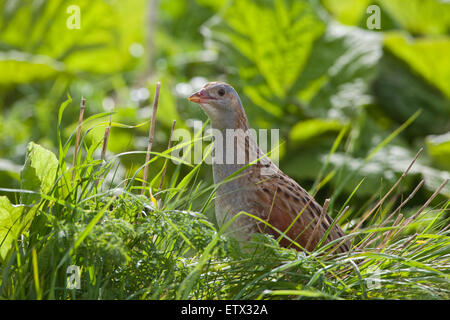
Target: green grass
{"points": [[130, 246]]}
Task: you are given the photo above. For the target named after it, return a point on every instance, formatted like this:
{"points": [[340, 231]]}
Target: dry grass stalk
{"points": [[168, 147], [150, 137], [106, 138], [77, 143], [391, 233], [387, 194], [408, 241], [343, 241], [292, 223], [105, 144], [335, 221], [443, 230], [411, 195], [408, 221], [318, 224]]}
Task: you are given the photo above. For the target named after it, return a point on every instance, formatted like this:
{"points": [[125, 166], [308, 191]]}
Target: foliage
{"points": [[129, 246], [353, 106], [305, 68]]}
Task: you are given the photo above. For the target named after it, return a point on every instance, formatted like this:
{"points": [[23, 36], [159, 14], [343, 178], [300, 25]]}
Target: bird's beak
{"points": [[200, 97]]}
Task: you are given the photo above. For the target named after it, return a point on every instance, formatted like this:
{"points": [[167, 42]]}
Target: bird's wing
{"points": [[281, 201]]}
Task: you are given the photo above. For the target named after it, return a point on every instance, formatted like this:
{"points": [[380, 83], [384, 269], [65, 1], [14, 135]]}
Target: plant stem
{"points": [[150, 137], [77, 143], [168, 147]]}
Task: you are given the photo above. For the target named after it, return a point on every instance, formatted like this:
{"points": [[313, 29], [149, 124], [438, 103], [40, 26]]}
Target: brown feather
{"points": [[281, 201]]}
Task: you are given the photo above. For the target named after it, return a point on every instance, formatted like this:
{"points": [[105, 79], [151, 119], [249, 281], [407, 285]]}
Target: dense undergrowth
{"points": [[165, 246]]}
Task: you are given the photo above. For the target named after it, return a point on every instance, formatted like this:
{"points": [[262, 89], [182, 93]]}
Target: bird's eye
{"points": [[221, 92]]}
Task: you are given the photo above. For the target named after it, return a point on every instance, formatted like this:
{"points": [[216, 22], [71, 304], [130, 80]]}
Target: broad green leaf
{"points": [[439, 149], [13, 219], [10, 168], [347, 11], [268, 44], [389, 163], [386, 166], [215, 4], [103, 42], [427, 57], [401, 93], [38, 173], [305, 165], [346, 60], [420, 16], [308, 129], [21, 67]]}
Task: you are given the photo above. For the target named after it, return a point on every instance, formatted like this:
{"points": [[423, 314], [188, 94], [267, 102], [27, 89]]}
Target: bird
{"points": [[248, 181]]}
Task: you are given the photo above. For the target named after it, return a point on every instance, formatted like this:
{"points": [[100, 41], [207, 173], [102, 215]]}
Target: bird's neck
{"points": [[234, 144], [233, 121], [234, 148]]}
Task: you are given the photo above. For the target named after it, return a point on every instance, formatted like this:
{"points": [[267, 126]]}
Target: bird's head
{"points": [[222, 105]]}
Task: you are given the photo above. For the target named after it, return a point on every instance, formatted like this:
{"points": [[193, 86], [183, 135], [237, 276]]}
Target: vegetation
{"points": [[364, 117]]}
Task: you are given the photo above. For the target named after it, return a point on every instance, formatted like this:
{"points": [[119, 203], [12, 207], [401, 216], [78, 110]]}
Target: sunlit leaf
{"points": [[38, 173], [439, 149], [347, 11], [13, 219], [20, 67], [101, 43], [420, 16], [308, 129], [271, 40], [400, 93], [348, 58], [427, 57]]}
